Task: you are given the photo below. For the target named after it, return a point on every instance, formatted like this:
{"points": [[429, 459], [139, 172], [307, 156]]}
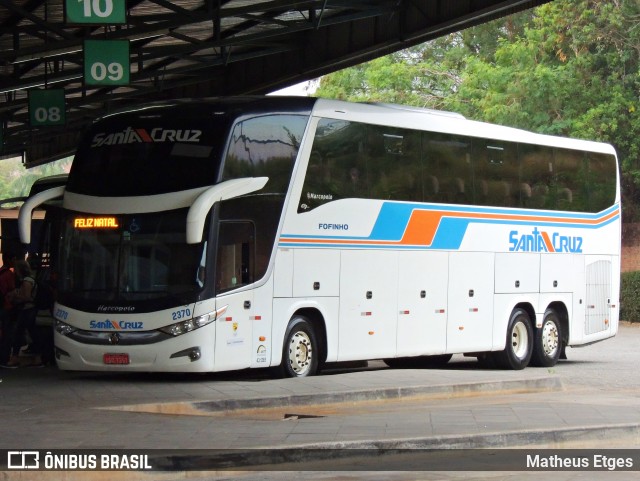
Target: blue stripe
{"points": [[394, 217]]}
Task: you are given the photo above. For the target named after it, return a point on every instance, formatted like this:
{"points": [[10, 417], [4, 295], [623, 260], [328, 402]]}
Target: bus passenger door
{"points": [[422, 303], [234, 270]]}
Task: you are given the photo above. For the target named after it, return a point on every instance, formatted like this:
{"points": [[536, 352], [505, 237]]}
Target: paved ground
{"points": [[589, 401]]}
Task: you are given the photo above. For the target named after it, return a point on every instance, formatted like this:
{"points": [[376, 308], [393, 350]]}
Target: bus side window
{"points": [[570, 174], [602, 192], [265, 146], [236, 251], [333, 172], [536, 173], [448, 165], [496, 173], [413, 173]]}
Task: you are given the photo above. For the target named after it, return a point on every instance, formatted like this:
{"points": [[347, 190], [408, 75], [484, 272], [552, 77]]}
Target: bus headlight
{"points": [[189, 325], [64, 328]]}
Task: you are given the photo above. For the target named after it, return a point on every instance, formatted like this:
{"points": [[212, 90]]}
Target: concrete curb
{"points": [[459, 452], [438, 391], [550, 438], [385, 394]]}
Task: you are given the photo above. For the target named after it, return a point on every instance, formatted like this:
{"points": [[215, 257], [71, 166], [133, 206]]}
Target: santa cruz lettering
{"points": [[131, 136], [117, 325], [542, 241]]}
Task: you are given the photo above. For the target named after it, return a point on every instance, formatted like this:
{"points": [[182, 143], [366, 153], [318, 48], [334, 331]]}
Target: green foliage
{"points": [[569, 67], [630, 297], [15, 181]]}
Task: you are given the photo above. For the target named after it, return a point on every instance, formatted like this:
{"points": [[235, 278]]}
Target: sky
{"points": [[303, 89]]}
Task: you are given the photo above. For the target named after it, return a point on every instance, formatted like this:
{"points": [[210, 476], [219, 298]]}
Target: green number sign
{"points": [[106, 62], [46, 107], [95, 12]]}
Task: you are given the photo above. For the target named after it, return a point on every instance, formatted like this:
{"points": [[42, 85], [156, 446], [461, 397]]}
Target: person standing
{"points": [[7, 317], [25, 310]]}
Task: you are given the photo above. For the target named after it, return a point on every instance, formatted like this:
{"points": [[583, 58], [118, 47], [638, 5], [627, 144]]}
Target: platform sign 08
{"points": [[106, 62], [95, 12], [46, 107]]}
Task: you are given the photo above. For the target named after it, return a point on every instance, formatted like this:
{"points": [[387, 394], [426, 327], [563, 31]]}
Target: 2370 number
{"points": [[181, 314]]}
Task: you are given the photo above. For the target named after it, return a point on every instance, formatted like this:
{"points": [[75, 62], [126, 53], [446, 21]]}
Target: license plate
{"points": [[118, 358]]}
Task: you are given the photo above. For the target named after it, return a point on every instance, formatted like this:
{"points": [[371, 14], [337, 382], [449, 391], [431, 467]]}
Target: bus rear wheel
{"points": [[547, 344], [519, 347], [300, 349]]}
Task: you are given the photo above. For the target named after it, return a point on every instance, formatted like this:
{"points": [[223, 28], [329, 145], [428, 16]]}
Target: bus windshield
{"points": [[149, 154], [129, 257]]}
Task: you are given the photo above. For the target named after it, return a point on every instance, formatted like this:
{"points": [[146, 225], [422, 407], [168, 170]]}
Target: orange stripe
{"points": [[423, 225], [528, 218], [339, 241]]}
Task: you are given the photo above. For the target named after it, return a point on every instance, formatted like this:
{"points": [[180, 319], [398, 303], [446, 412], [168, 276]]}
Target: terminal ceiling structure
{"points": [[191, 48]]}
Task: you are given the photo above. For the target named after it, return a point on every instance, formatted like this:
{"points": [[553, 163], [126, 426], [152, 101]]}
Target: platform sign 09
{"points": [[106, 62], [46, 107], [95, 12]]}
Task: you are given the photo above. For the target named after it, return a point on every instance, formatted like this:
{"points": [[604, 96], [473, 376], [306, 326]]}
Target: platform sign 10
{"points": [[95, 12], [106, 62], [46, 107]]}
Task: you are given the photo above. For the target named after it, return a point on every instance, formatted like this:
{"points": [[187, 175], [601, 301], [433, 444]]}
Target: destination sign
{"points": [[95, 223]]}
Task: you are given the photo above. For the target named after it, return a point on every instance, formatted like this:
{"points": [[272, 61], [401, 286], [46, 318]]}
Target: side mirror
{"points": [[228, 189], [26, 210]]}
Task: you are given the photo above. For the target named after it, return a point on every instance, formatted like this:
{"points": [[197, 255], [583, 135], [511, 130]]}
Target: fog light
{"points": [[60, 353], [193, 353]]}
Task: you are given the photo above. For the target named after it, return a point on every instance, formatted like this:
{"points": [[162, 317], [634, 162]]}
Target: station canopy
{"points": [[190, 49]]}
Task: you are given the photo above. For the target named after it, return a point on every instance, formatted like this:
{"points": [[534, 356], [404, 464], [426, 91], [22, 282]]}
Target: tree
{"points": [[425, 75], [15, 181], [569, 67]]}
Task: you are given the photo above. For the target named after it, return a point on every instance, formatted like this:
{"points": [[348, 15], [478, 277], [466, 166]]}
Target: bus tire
{"points": [[519, 346], [300, 350], [547, 343]]}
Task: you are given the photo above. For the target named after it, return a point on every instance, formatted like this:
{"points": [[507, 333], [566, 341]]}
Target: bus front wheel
{"points": [[547, 344], [519, 346], [300, 349]]}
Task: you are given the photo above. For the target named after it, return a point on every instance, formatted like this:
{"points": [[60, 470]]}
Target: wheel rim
{"points": [[520, 340], [300, 353], [550, 338]]}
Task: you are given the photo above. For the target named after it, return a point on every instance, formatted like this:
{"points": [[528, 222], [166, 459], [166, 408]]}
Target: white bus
{"points": [[9, 209], [277, 232]]}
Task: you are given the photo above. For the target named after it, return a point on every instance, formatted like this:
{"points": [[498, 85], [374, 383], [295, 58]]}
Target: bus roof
{"points": [[394, 115], [242, 105], [445, 122]]}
